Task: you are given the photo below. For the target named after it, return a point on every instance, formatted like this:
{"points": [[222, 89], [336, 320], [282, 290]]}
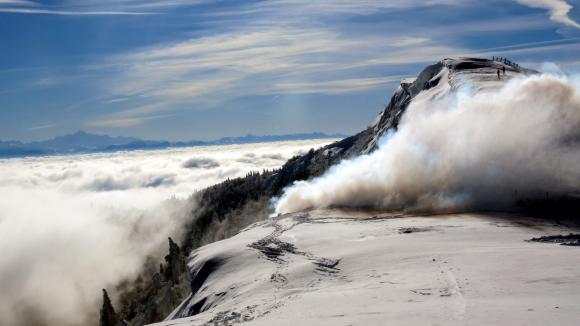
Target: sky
{"points": [[205, 69]]}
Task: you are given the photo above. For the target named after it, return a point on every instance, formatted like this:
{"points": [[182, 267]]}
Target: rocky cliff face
{"points": [[226, 208]]}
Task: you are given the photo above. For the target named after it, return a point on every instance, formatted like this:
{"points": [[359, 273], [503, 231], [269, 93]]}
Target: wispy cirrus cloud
{"points": [[141, 7], [298, 9], [119, 122], [94, 8], [292, 60], [558, 9], [39, 11], [123, 62], [212, 70], [280, 47], [40, 127], [116, 123], [84, 8], [290, 9], [337, 86], [17, 2]]}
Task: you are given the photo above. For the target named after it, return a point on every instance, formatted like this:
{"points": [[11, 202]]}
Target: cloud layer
{"points": [[71, 225]]}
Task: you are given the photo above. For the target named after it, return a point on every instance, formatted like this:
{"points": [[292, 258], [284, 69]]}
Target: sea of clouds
{"points": [[463, 151], [71, 225]]}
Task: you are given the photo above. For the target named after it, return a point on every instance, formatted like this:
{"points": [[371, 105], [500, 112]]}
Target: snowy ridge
{"points": [[439, 80], [338, 268]]}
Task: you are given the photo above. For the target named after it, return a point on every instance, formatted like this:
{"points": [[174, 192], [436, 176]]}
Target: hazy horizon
{"points": [[175, 140]]}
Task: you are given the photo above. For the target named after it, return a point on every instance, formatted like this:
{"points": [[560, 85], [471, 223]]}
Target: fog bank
{"points": [[71, 225]]}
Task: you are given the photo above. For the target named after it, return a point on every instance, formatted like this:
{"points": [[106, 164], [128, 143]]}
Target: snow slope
{"points": [[333, 267]]}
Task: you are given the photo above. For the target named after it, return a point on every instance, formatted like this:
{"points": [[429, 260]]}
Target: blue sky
{"points": [[204, 69]]}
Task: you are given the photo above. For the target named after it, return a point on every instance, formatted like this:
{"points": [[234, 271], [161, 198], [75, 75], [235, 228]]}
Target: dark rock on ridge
{"points": [[564, 240]]}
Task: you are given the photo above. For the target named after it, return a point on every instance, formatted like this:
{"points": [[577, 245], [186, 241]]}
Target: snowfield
{"points": [[331, 267]]}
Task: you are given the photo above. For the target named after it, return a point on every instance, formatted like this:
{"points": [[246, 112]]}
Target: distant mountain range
{"points": [[83, 142]]}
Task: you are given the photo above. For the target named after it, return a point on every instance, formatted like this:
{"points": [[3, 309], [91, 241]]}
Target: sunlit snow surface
{"points": [[332, 267], [71, 225]]}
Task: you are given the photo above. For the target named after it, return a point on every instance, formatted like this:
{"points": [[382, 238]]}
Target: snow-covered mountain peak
{"points": [[440, 79]]}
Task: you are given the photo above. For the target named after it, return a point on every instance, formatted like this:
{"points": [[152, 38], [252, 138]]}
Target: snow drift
{"points": [[467, 148]]}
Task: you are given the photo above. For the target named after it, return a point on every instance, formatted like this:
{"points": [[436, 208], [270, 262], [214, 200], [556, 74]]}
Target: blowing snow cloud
{"points": [[462, 151]]}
